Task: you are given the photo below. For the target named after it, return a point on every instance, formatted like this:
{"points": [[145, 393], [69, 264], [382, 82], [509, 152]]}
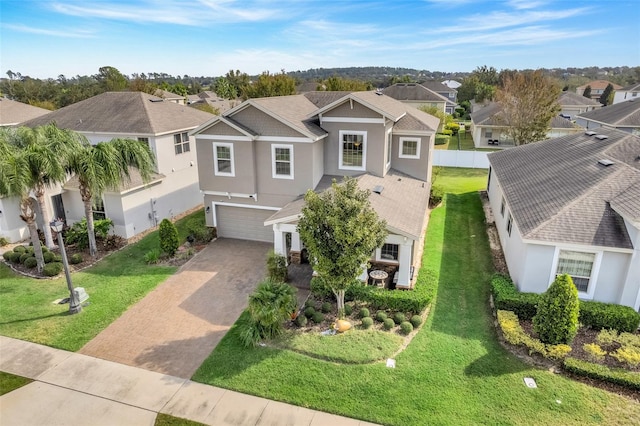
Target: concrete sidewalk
{"points": [[75, 389]]}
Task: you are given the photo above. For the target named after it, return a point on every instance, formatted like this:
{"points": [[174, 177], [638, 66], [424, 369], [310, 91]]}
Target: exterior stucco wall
{"points": [[11, 226], [611, 278], [263, 124], [375, 148], [416, 167], [244, 180]]}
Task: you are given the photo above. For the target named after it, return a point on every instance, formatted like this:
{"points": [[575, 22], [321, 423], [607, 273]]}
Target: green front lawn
{"points": [[9, 382], [453, 372], [115, 283]]}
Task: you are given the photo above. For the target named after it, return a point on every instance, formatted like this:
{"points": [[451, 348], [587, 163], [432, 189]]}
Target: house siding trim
{"points": [[352, 120], [408, 139], [586, 248], [225, 138]]}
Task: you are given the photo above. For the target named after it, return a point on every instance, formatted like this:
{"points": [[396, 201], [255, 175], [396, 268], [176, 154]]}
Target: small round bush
{"points": [[75, 259], [399, 318], [44, 249], [364, 312], [416, 320], [381, 316], [19, 249], [15, 257], [367, 322], [406, 327], [348, 309], [317, 317], [326, 307], [48, 256], [52, 269], [24, 256], [57, 258], [388, 324], [31, 262], [309, 311], [7, 255], [309, 303], [301, 321]]}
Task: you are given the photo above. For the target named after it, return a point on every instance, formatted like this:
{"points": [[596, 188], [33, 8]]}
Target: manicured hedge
{"points": [[593, 314], [621, 377]]}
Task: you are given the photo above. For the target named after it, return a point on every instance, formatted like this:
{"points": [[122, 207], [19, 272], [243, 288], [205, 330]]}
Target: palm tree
{"points": [[106, 166]]}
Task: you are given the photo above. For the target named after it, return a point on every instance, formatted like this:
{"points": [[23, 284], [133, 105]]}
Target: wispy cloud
{"points": [[67, 33], [525, 4]]}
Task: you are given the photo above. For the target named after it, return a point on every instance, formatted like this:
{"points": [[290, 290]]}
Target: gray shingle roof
{"points": [[631, 88], [135, 181], [487, 115], [292, 110], [12, 113], [623, 114], [557, 191], [436, 86], [414, 92], [416, 120], [322, 99], [125, 113], [573, 99]]}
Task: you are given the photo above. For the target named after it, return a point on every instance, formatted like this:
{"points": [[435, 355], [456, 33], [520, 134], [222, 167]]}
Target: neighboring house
{"points": [[213, 100], [627, 93], [489, 131], [12, 114], [161, 124], [444, 91], [417, 95], [572, 104], [597, 88], [168, 96], [623, 116], [453, 84], [571, 205], [256, 161]]}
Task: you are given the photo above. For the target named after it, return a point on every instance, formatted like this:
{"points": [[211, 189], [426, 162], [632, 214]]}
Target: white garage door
{"points": [[243, 223]]}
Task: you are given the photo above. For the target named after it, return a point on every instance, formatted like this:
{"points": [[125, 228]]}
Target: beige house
{"points": [[256, 161], [572, 104], [165, 127], [597, 88], [417, 95]]}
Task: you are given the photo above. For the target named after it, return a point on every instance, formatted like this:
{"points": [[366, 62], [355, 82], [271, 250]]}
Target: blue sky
{"points": [[209, 37]]}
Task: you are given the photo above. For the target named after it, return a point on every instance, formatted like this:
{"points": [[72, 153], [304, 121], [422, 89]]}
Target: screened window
{"points": [[181, 143], [389, 252], [223, 159], [409, 148], [578, 265], [98, 210], [282, 156], [353, 148]]}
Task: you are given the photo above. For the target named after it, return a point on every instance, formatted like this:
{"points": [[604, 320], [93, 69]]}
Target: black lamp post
{"points": [[74, 303]]}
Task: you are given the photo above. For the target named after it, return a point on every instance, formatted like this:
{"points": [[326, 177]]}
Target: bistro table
{"points": [[379, 276]]}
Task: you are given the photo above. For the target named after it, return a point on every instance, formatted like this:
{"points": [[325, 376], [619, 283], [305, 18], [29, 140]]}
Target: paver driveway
{"points": [[177, 325]]}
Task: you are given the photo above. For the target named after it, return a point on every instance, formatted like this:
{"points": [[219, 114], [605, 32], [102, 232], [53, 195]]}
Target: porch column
{"points": [[279, 241], [404, 267], [296, 248]]}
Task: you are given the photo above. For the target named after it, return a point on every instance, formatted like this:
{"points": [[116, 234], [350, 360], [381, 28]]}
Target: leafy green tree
{"points": [[607, 95], [438, 113], [107, 165], [238, 80], [529, 101], [340, 230], [269, 85], [111, 79], [169, 240], [225, 89], [587, 92], [339, 84], [556, 320]]}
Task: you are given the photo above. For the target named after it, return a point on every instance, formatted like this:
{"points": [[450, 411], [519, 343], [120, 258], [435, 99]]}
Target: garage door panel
{"points": [[243, 223]]}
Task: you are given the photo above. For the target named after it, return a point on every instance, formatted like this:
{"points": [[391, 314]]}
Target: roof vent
{"points": [[605, 162], [156, 100], [379, 92], [601, 137], [589, 133], [378, 189]]}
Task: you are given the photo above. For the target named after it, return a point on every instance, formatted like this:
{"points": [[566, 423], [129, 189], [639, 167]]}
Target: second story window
{"points": [[409, 148], [223, 159], [282, 161], [181, 142], [353, 150]]}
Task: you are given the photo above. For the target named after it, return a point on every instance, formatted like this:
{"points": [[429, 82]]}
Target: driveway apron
{"points": [[177, 325]]}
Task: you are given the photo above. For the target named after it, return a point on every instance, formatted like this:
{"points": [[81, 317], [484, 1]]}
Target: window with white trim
{"points": [[97, 209], [282, 161], [502, 207], [223, 159], [181, 143], [509, 223], [353, 150], [409, 148], [389, 251], [579, 265]]}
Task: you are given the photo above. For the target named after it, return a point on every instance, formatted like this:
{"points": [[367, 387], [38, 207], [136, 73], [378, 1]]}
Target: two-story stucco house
{"points": [[571, 205], [257, 160], [165, 127]]}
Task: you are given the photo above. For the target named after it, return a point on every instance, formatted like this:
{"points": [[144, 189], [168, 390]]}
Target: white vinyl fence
{"points": [[470, 159]]}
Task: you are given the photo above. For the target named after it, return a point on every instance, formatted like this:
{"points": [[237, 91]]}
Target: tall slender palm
{"points": [[106, 166]]}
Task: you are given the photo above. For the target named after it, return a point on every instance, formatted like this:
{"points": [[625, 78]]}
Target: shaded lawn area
{"points": [[453, 372], [113, 284], [9, 382]]}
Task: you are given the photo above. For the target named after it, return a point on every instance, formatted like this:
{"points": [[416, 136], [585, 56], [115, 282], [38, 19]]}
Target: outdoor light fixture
{"points": [[74, 303]]}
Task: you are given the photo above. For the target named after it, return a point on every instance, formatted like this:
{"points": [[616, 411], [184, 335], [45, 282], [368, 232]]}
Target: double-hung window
{"points": [[282, 161], [409, 148], [98, 210], [389, 251], [181, 143], [353, 150], [579, 265], [223, 159]]}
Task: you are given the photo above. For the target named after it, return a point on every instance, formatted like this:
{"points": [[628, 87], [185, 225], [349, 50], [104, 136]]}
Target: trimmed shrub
{"points": [[198, 229], [301, 321], [57, 258], [416, 320], [326, 307], [24, 256], [628, 355], [348, 309], [3, 242], [317, 317], [447, 132], [277, 267], [381, 316], [309, 302], [454, 127], [507, 298], [556, 320], [19, 249], [515, 335], [441, 139], [364, 312], [76, 258], [605, 315], [557, 351], [594, 351], [31, 262], [437, 193], [607, 337], [15, 257], [388, 324], [7, 255], [309, 311], [399, 318], [367, 322], [152, 256], [628, 339], [169, 241], [406, 327], [600, 372], [52, 269], [48, 257], [78, 233]]}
